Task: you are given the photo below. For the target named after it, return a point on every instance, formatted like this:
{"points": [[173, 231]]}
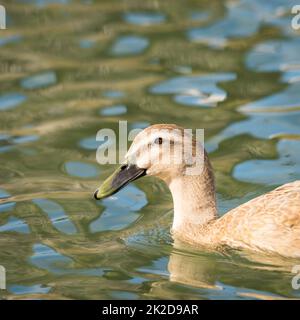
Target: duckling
{"points": [[269, 223]]}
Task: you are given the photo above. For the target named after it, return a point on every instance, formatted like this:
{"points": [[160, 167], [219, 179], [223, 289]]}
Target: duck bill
{"points": [[118, 180]]}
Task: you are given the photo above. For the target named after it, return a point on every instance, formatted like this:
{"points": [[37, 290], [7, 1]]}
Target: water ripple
{"points": [[285, 100], [10, 39], [22, 289], [275, 55], [90, 143], [260, 125], [14, 224], [195, 90], [41, 3], [144, 18], [56, 214], [47, 258], [8, 206], [8, 143], [129, 45], [113, 110], [273, 172], [243, 19], [238, 23], [81, 169], [121, 209], [11, 101], [38, 81], [86, 43], [113, 94]]}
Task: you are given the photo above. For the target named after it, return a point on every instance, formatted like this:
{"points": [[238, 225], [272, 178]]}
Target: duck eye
{"points": [[158, 140]]}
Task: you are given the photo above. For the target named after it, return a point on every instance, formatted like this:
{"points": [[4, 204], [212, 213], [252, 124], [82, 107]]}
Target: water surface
{"points": [[69, 68]]}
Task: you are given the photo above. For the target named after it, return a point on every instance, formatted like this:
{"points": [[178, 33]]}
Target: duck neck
{"points": [[194, 200]]}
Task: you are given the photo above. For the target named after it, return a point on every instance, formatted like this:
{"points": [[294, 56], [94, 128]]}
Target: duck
{"points": [[269, 223]]}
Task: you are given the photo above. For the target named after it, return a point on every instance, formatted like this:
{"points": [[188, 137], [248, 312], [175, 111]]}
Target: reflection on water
{"points": [[56, 214], [113, 94], [261, 125], [70, 68], [195, 91], [39, 81], [6, 206], [89, 143], [121, 210], [45, 257], [9, 39], [17, 289], [10, 101], [81, 169], [243, 19], [129, 45], [4, 194], [276, 55], [113, 111], [8, 143], [238, 23], [286, 99], [86, 43], [274, 172], [44, 2], [144, 18]]}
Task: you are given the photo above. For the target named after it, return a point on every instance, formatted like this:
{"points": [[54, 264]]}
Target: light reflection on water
{"points": [[129, 45], [273, 172], [144, 18], [39, 81], [113, 110], [232, 69], [14, 224], [56, 214], [121, 210], [199, 91], [10, 101]]}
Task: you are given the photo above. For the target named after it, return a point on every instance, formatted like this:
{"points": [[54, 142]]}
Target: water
{"points": [[70, 68]]}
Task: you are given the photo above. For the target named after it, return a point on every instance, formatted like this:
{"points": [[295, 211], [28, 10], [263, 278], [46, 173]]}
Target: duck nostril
{"points": [[124, 166]]}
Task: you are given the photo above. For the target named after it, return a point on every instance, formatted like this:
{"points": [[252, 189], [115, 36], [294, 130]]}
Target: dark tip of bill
{"points": [[95, 194]]}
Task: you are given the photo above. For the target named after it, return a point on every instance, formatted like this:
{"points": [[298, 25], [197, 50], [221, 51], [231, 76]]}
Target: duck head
{"points": [[166, 151]]}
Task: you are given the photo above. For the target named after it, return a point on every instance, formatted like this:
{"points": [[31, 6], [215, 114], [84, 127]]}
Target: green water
{"points": [[70, 68]]}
